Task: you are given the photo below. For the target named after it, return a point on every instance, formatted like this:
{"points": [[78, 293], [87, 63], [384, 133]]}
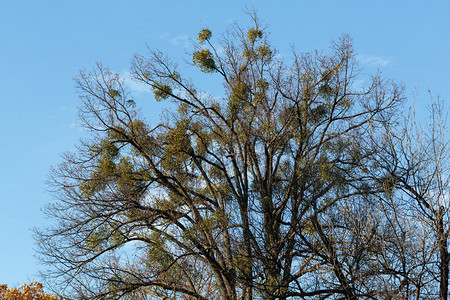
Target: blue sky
{"points": [[43, 45]]}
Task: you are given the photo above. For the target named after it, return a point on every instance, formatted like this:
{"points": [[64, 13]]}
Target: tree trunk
{"points": [[443, 255]]}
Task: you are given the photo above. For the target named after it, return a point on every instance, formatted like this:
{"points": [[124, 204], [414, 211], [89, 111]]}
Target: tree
{"points": [[416, 162], [240, 196], [32, 291]]}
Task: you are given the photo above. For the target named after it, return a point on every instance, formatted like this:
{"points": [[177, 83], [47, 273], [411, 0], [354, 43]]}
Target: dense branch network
{"points": [[284, 187]]}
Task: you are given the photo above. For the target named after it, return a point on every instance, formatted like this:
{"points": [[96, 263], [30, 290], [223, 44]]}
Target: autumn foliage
{"points": [[32, 291]]}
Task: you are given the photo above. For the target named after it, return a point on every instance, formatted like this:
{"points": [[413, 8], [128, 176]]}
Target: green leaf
{"points": [[204, 35], [161, 91], [204, 60], [253, 34]]}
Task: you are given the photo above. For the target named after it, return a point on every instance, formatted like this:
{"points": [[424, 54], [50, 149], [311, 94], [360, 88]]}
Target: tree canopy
{"points": [[290, 184], [32, 291]]}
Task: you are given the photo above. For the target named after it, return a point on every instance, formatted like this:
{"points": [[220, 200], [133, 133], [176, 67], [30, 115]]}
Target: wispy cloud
{"points": [[134, 85], [359, 85], [373, 60], [177, 40]]}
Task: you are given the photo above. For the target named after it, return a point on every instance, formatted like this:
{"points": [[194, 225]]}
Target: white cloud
{"points": [[134, 85], [180, 39], [359, 85], [373, 61], [165, 36]]}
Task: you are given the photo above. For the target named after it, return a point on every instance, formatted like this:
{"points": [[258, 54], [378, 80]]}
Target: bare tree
{"points": [[415, 161]]}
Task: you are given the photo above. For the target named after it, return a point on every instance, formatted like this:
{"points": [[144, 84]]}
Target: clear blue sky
{"points": [[43, 45]]}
